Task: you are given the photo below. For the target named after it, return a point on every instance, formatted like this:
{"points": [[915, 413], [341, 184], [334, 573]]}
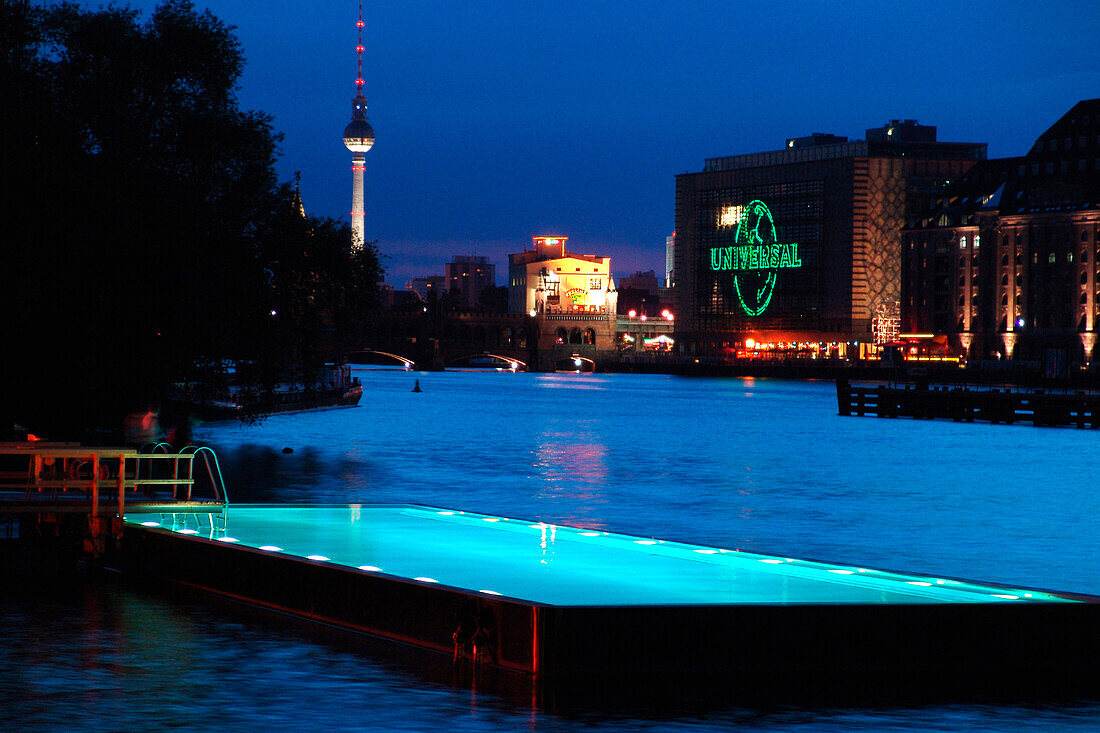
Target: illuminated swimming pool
{"points": [[557, 565]]}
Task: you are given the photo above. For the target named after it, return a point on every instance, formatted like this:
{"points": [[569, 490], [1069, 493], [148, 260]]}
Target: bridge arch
{"points": [[486, 360], [359, 358]]}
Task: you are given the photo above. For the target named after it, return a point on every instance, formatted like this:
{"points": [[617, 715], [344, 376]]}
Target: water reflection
{"points": [[572, 473]]}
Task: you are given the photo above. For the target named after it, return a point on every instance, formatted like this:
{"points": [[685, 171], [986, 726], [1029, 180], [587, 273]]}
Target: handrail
{"points": [[217, 483], [72, 475]]}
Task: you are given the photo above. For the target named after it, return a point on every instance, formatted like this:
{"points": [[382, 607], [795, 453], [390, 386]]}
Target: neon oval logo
{"points": [[755, 258]]}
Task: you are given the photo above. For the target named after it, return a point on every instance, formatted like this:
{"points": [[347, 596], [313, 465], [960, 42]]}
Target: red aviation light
{"points": [[360, 49], [360, 82]]}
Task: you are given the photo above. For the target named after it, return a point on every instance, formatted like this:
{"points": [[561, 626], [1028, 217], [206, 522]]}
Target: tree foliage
{"points": [[146, 232]]}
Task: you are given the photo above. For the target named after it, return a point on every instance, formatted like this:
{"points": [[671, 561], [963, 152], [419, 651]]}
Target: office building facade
{"points": [[796, 250]]}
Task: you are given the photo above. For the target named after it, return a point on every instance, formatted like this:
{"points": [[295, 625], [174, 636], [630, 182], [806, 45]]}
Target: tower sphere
{"points": [[359, 136]]}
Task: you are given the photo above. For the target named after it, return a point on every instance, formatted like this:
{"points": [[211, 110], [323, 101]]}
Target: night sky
{"points": [[496, 121]]}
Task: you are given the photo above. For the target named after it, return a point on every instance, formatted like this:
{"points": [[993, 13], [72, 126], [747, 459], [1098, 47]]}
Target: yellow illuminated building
{"points": [[572, 295]]}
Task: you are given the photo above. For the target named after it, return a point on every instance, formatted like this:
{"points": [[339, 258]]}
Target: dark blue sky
{"points": [[496, 121]]}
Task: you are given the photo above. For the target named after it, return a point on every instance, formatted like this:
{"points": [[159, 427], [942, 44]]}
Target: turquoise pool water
{"points": [[560, 565]]}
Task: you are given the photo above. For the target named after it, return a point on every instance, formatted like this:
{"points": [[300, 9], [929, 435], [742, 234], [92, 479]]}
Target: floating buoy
{"points": [[416, 387]]}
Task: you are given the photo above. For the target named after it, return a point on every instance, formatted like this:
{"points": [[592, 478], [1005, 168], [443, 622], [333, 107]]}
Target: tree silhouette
{"points": [[148, 237]]}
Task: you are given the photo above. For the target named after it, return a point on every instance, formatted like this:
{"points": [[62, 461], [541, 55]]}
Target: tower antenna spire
{"points": [[359, 49], [358, 138]]}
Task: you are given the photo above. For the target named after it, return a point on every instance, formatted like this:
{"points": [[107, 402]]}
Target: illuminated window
{"points": [[977, 241], [1052, 258], [962, 242], [730, 216]]}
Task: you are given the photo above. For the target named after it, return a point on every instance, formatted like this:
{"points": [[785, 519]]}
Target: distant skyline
{"points": [[497, 122]]}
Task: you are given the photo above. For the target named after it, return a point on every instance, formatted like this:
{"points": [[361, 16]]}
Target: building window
{"points": [[977, 241], [962, 242]]}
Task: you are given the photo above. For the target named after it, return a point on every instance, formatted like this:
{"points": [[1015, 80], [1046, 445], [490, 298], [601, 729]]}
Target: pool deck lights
{"points": [[573, 605]]}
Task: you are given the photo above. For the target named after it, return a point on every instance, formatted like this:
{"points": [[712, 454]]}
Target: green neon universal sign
{"points": [[755, 258]]}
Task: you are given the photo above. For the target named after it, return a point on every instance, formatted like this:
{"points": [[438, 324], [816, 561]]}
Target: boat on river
{"points": [[335, 387]]}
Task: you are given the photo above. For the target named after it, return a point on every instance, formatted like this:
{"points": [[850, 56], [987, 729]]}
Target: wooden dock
{"points": [[1007, 405], [81, 493]]}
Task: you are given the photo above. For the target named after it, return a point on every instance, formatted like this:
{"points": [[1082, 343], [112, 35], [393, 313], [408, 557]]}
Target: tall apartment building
{"points": [[466, 276]]}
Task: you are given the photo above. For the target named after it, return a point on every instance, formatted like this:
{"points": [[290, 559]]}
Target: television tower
{"points": [[358, 137]]}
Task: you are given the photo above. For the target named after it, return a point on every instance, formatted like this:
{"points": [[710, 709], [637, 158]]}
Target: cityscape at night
{"points": [[602, 367]]}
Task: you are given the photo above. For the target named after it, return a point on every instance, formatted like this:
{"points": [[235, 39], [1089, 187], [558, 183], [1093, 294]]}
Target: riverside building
{"points": [[1004, 262], [795, 251], [572, 296]]}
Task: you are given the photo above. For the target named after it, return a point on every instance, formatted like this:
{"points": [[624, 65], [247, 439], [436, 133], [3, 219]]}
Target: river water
{"points": [[762, 465]]}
